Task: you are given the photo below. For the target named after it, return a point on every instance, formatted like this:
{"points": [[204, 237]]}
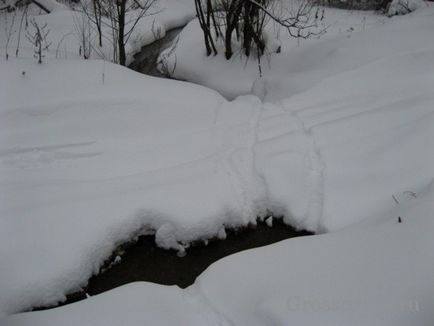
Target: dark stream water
{"points": [[144, 261], [146, 61]]}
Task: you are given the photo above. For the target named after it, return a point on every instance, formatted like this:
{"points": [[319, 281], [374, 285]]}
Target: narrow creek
{"points": [[144, 261], [146, 61]]}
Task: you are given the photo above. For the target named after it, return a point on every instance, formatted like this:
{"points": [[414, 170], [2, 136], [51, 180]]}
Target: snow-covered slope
{"points": [[350, 39], [337, 135], [378, 274], [133, 304], [85, 165], [375, 274], [92, 154]]}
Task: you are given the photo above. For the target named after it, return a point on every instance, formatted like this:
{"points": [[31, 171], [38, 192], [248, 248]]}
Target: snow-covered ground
{"points": [[377, 274], [347, 40], [339, 114], [190, 63], [92, 154]]}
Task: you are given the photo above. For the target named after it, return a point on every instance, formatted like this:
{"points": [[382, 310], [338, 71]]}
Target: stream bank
{"points": [[144, 261], [146, 61]]}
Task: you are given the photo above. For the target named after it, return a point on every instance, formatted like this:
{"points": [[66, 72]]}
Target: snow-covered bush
{"points": [[120, 18]]}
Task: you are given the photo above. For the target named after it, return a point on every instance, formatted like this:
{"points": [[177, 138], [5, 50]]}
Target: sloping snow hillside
{"points": [[88, 164], [348, 119], [92, 154], [378, 274]]}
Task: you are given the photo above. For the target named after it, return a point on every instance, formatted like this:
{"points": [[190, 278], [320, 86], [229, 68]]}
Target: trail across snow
{"points": [[240, 167], [343, 136], [316, 177]]}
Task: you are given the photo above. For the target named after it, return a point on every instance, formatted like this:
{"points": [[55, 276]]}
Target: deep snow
{"points": [[377, 274], [91, 154]]}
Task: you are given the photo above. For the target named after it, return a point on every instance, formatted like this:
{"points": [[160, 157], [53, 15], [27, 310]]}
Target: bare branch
{"points": [[41, 6]]}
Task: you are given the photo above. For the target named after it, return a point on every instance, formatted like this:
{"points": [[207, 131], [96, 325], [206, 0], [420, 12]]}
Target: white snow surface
{"points": [[88, 166], [92, 155], [403, 7], [375, 274], [190, 62], [340, 115], [131, 304]]}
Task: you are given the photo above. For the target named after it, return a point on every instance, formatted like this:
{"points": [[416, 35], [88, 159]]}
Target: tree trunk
{"points": [[121, 31], [205, 26], [97, 13], [232, 18], [247, 28]]}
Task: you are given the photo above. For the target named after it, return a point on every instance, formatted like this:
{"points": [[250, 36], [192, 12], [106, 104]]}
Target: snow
{"points": [[128, 305], [338, 85], [191, 63], [376, 274], [380, 273], [166, 15], [361, 168], [269, 221], [403, 7], [89, 167], [337, 139]]}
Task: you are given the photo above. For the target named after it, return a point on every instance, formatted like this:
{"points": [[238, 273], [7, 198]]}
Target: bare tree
{"points": [[26, 23], [299, 22], [97, 12], [40, 5], [247, 19], [38, 37], [205, 24], [83, 31], [9, 31], [119, 18], [11, 5], [125, 24]]}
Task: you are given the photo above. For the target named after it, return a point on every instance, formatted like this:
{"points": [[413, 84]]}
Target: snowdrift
{"points": [[92, 155]]}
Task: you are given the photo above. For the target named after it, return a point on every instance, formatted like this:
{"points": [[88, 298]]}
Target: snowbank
{"points": [[133, 304], [403, 7], [376, 274], [337, 137], [191, 63], [87, 164], [92, 154]]}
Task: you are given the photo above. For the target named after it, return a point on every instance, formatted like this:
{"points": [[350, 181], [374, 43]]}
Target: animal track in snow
{"points": [[35, 157]]}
